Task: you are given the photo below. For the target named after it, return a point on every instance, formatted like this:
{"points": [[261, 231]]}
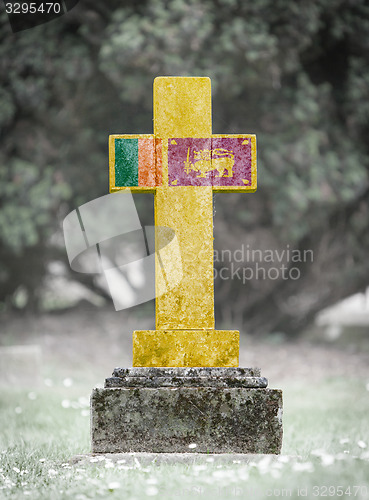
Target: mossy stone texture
{"points": [[168, 419], [186, 377]]}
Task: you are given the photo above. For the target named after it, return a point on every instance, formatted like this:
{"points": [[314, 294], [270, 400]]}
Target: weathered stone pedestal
{"points": [[165, 410]]}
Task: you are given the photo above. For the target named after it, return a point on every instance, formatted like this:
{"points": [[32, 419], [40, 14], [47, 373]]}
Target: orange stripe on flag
{"points": [[146, 162], [159, 162]]}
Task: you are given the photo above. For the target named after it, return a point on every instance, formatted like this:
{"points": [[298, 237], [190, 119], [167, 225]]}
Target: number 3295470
{"points": [[33, 8]]}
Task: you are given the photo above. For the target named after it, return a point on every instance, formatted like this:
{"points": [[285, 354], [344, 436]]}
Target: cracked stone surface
{"points": [[255, 382], [186, 372], [169, 419]]}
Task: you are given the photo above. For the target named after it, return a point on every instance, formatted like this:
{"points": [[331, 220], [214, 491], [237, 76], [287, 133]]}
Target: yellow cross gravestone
{"points": [[183, 163]]}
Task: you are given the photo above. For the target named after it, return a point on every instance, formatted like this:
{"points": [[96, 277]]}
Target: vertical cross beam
{"points": [[182, 108], [183, 163]]}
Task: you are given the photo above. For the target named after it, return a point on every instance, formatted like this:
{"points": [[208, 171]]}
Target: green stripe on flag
{"points": [[126, 162]]}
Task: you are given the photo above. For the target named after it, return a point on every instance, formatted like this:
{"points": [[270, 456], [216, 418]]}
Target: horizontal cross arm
{"points": [[227, 163]]}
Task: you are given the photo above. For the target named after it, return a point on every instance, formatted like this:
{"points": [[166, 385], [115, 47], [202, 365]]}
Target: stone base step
{"points": [[170, 419]]}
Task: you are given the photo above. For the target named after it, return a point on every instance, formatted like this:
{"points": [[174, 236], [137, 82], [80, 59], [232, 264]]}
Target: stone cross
{"points": [[183, 163]]}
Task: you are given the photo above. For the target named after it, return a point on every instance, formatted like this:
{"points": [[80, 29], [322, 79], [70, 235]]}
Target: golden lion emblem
{"points": [[207, 160]]}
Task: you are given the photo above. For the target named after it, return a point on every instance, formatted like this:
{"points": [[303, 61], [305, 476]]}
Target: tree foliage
{"points": [[295, 73]]}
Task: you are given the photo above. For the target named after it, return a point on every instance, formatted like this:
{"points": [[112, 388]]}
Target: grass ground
{"points": [[325, 451], [326, 425]]}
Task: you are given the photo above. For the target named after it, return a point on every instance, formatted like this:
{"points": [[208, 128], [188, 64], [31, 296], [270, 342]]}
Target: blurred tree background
{"points": [[294, 73]]}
